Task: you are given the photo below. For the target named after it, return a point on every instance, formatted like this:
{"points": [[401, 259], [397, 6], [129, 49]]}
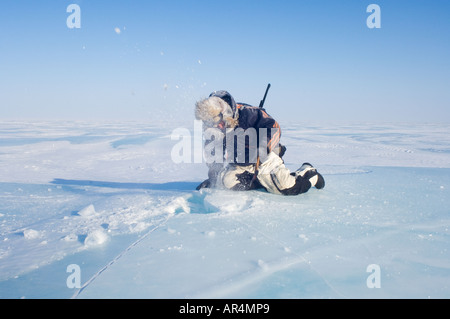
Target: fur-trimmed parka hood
{"points": [[218, 102]]}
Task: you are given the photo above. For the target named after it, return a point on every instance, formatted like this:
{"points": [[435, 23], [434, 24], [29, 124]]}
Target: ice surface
{"points": [[108, 197]]}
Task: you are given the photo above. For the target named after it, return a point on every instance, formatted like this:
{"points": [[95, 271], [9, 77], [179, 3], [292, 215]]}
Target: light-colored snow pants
{"points": [[272, 174]]}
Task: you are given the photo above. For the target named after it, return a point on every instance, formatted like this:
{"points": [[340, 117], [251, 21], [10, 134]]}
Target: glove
{"points": [[280, 150], [247, 181], [205, 184]]}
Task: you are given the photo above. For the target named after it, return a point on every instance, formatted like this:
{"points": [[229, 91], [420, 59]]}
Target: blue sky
{"points": [[322, 60]]}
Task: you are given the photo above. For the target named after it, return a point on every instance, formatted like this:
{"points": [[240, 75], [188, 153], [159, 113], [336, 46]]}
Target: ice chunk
{"points": [[210, 233], [96, 238], [31, 234], [87, 211], [70, 238], [178, 205]]}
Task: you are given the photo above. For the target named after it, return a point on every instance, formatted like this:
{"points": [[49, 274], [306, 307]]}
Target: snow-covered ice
{"points": [[108, 198]]}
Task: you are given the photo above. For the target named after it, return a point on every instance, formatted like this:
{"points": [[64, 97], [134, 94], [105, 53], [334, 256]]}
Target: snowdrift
{"points": [[107, 198]]}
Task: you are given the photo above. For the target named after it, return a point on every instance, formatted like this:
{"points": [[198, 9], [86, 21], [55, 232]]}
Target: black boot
{"points": [[309, 172]]}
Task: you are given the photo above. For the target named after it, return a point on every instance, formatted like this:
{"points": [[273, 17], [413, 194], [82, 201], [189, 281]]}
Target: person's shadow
{"points": [[174, 186]]}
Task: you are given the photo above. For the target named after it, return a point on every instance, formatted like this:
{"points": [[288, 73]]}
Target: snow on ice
{"points": [[108, 198]]}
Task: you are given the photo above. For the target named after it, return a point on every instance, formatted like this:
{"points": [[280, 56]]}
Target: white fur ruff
{"points": [[207, 109]]}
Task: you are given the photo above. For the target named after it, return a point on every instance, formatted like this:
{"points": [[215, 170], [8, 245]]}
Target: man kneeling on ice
{"points": [[246, 139]]}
